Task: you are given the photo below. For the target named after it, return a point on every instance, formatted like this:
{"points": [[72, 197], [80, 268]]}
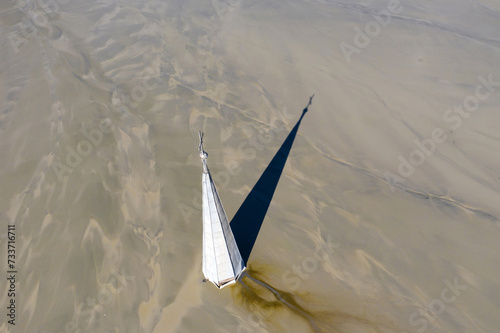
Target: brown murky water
{"points": [[386, 216], [259, 297]]}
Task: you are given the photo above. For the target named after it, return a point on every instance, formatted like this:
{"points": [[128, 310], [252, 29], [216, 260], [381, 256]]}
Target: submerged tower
{"points": [[222, 262]]}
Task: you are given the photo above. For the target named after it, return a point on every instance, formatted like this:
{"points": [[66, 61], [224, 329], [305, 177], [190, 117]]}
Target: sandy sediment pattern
{"points": [[100, 105]]}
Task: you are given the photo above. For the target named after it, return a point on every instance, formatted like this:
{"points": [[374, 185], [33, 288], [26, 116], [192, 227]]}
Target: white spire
{"points": [[222, 262]]}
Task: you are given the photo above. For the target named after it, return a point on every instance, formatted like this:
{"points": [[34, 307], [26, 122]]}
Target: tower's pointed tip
{"points": [[203, 153], [200, 146]]}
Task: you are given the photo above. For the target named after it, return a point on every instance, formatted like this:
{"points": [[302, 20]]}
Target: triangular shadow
{"points": [[248, 220]]}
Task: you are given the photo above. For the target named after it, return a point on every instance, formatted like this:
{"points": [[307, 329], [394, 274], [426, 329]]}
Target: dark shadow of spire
{"points": [[248, 220]]}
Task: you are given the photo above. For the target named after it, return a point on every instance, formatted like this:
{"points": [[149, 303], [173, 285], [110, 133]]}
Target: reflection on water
{"points": [[255, 294]]}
